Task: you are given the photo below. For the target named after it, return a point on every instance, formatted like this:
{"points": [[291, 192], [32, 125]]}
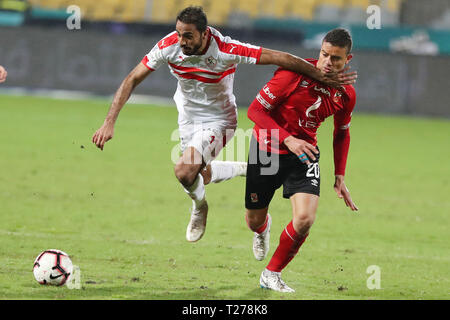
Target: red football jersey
{"points": [[293, 104]]}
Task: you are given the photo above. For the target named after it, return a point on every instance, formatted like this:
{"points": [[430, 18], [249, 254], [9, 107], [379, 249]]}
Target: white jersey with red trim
{"points": [[205, 82]]}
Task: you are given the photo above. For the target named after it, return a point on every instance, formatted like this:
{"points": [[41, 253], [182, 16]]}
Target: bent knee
{"points": [[185, 174], [303, 221]]}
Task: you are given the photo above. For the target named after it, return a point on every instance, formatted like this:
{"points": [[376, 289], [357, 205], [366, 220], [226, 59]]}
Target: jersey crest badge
{"points": [[211, 62], [324, 91], [337, 95]]}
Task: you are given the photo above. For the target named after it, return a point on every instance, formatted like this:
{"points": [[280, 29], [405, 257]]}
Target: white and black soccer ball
{"points": [[52, 267]]}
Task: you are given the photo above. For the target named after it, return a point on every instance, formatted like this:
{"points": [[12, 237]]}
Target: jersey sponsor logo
{"points": [[307, 123], [315, 106], [324, 91], [304, 84], [266, 90]]}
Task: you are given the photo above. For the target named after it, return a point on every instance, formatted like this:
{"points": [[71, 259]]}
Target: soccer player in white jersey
{"points": [[3, 74], [204, 62]]}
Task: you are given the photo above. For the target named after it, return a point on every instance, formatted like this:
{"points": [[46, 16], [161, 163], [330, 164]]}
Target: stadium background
{"points": [[41, 52], [59, 88]]}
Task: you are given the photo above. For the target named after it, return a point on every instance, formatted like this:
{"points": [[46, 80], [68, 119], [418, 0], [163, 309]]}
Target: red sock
{"points": [[290, 243], [262, 228]]}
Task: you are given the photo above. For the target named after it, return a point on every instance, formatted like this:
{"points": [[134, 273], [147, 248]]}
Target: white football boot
{"points": [[197, 224], [272, 281], [261, 241]]}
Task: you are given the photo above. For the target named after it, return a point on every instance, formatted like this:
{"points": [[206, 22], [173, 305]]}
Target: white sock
{"points": [[197, 192], [225, 170]]}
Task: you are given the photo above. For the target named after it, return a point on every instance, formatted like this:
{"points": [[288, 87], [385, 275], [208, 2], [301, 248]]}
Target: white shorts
{"points": [[207, 139]]}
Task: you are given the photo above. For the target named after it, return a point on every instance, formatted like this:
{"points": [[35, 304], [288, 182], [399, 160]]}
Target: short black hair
{"points": [[194, 15], [340, 38]]}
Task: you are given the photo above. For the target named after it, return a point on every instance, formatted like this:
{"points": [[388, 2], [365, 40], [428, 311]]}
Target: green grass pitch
{"points": [[122, 215]]}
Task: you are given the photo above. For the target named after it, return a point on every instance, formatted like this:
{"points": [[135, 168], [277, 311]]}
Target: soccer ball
{"points": [[52, 267]]}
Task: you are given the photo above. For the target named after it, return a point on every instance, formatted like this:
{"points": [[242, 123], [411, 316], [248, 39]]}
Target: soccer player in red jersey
{"points": [[3, 74], [287, 113]]}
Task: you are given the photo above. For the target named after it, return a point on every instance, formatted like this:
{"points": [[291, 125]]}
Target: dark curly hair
{"points": [[194, 15]]}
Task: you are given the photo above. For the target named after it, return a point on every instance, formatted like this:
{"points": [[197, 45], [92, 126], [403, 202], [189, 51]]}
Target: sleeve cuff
{"points": [[145, 61]]}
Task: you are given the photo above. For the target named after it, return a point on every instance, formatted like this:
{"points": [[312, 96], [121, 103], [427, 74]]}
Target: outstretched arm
{"points": [[106, 131], [299, 65]]}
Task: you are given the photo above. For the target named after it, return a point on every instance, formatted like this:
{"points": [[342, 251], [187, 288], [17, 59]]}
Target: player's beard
{"points": [[188, 51]]}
